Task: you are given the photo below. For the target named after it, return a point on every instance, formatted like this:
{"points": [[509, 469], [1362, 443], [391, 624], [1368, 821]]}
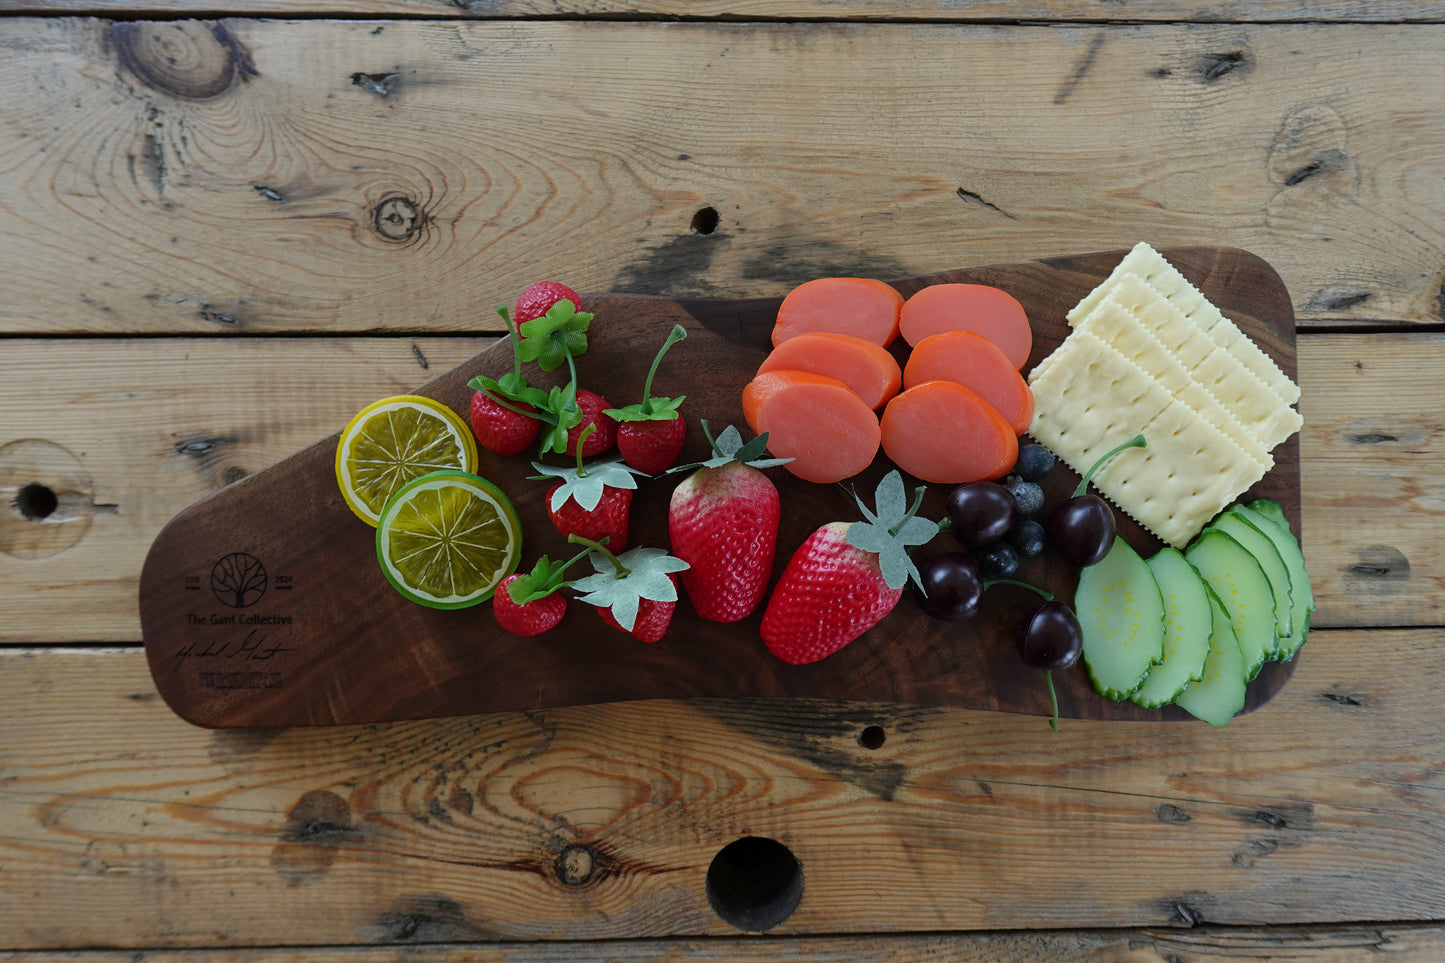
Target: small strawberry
{"points": [[593, 408], [634, 591], [538, 299], [591, 500], [845, 578], [531, 603], [651, 433], [503, 430], [723, 521]]}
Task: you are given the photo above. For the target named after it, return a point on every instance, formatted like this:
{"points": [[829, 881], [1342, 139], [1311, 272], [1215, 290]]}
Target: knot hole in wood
{"points": [[187, 59], [397, 218], [754, 883], [46, 499]]}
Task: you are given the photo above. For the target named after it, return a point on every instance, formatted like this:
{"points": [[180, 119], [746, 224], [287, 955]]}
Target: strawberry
{"points": [[503, 430], [723, 521], [606, 520], [651, 433], [634, 591], [845, 578], [652, 620], [532, 617], [592, 501], [652, 447], [531, 603], [538, 299], [593, 409]]}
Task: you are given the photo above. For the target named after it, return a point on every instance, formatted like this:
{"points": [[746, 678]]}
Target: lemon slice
{"points": [[393, 441], [447, 538]]}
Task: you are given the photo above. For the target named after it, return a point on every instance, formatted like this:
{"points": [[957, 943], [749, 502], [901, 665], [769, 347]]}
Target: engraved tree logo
{"points": [[238, 580]]}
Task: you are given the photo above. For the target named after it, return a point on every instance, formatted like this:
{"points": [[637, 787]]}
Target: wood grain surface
{"points": [[326, 641], [257, 176], [221, 237], [594, 823]]}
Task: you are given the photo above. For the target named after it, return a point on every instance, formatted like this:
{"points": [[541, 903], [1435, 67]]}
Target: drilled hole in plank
{"points": [[36, 502], [754, 883]]}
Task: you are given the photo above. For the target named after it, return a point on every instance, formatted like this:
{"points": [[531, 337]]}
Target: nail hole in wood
{"points": [[705, 221], [36, 502], [754, 883], [872, 737]]}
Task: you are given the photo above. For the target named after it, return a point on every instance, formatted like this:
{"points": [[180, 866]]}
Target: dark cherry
{"points": [[1052, 639], [981, 512], [1082, 529], [953, 587]]}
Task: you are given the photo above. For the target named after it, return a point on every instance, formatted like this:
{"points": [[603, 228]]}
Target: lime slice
{"points": [[447, 538], [393, 441]]}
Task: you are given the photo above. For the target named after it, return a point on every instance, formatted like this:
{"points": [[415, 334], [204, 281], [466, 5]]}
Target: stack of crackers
{"points": [[1149, 354]]}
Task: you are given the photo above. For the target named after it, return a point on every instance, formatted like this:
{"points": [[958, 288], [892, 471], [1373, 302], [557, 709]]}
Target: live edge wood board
{"points": [[326, 641]]}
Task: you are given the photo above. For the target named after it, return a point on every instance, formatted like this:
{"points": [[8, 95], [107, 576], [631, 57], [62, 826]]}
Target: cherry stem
{"points": [[622, 570], [1054, 698], [1136, 442], [677, 333], [1047, 595]]}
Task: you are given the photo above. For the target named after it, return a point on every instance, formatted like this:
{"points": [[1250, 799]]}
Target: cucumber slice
{"points": [[1122, 616], [1270, 508], [1244, 591], [1262, 548], [1219, 694], [1302, 598], [1187, 626]]}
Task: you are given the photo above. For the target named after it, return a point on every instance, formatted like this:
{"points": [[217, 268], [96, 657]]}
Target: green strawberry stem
{"points": [[587, 432], [912, 510], [677, 333], [1136, 442], [621, 570], [525, 590]]}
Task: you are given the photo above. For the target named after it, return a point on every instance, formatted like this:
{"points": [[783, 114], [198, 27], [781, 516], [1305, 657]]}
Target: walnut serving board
{"points": [[263, 605]]}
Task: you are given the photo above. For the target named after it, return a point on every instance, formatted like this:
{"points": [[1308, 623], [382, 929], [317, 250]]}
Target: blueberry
{"points": [[1027, 538], [1028, 495], [1034, 462], [998, 560]]}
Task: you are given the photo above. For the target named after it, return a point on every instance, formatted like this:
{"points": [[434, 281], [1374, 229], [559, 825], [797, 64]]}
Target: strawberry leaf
{"points": [[728, 447], [650, 408], [585, 484], [545, 578], [623, 581], [892, 529], [559, 334]]}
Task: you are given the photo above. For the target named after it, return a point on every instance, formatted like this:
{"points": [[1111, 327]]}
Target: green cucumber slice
{"points": [[1244, 591], [1262, 548], [1302, 598], [1219, 694], [1270, 509], [1187, 627], [1122, 616]]}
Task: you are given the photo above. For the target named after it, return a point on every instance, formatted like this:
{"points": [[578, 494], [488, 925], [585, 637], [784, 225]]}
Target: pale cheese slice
{"points": [[1189, 472], [1148, 264], [1122, 330]]}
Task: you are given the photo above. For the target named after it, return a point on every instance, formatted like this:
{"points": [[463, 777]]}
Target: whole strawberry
{"points": [[502, 430], [651, 433], [592, 501], [845, 578], [532, 617], [607, 520], [531, 603], [538, 299], [593, 408], [723, 521], [634, 591], [652, 620]]}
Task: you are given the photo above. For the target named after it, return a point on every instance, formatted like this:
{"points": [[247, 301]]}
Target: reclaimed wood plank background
{"points": [[222, 237]]}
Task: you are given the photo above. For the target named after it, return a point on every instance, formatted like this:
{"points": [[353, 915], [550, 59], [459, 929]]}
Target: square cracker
{"points": [[1189, 472]]}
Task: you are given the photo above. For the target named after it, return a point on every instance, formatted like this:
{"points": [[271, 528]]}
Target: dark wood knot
{"points": [[397, 218], [187, 59]]}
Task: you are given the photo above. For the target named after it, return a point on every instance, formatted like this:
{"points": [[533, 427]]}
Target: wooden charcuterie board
{"points": [[322, 639]]}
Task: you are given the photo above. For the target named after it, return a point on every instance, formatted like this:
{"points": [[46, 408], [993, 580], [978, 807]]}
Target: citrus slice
{"points": [[393, 441], [447, 539]]}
